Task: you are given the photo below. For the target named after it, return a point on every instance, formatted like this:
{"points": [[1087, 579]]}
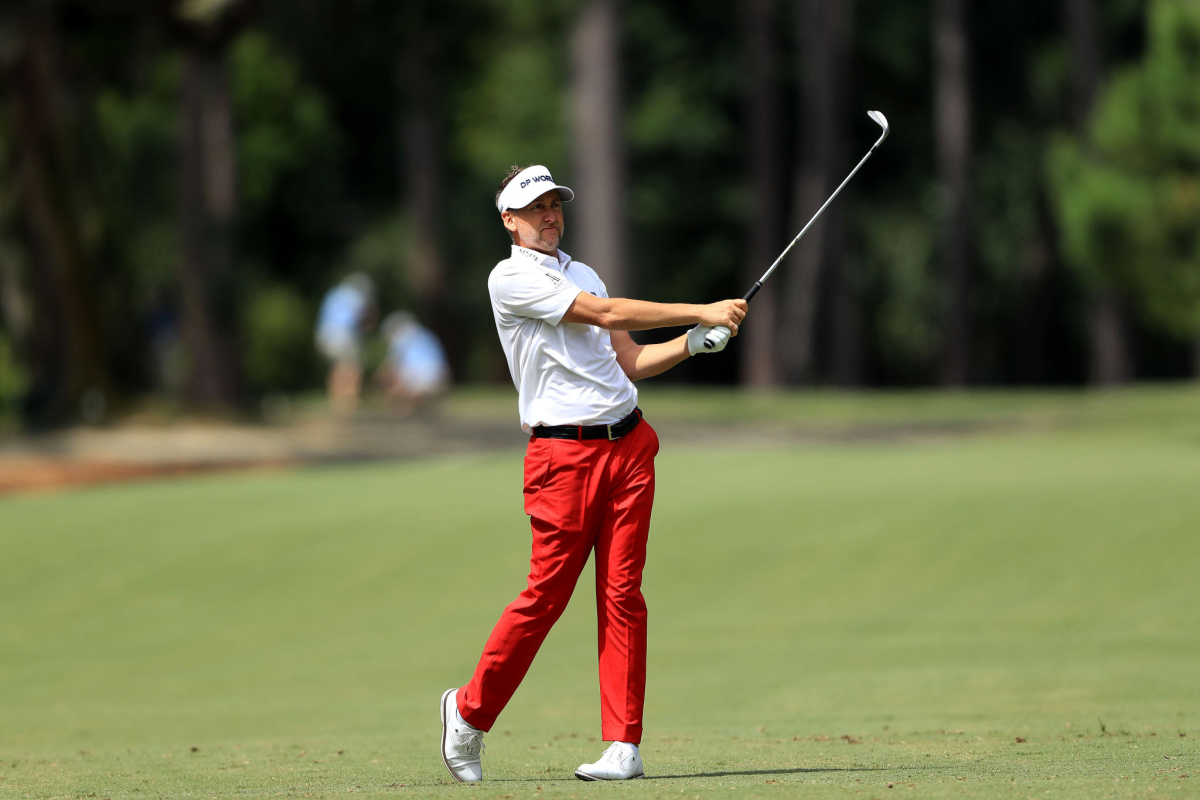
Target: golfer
{"points": [[589, 469]]}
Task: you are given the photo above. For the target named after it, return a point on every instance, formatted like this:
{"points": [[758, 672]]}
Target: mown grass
{"points": [[1010, 614]]}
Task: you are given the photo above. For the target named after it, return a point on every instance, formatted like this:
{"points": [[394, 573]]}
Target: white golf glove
{"points": [[718, 337]]}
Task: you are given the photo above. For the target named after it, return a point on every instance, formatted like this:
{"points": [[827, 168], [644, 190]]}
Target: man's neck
{"points": [[552, 253]]}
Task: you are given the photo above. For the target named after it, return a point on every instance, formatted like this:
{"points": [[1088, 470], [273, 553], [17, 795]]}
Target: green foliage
{"points": [[289, 191], [676, 111], [277, 340], [287, 161], [14, 378], [284, 131], [1107, 215], [1011, 240], [514, 110], [321, 90], [516, 114], [289, 166], [139, 133], [899, 247], [1009, 185], [688, 202], [381, 251], [896, 41], [1128, 195]]}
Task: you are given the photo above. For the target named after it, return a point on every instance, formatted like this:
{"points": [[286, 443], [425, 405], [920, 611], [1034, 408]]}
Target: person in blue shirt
{"points": [[414, 372], [347, 313]]}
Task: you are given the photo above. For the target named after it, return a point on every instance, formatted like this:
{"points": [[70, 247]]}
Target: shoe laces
{"points": [[469, 741], [617, 752]]}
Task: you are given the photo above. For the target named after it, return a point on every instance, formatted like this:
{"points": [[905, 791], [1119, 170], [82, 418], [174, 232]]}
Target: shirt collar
{"points": [[561, 263]]}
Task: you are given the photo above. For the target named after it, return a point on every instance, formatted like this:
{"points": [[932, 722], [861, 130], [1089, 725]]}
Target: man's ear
{"points": [[509, 220]]}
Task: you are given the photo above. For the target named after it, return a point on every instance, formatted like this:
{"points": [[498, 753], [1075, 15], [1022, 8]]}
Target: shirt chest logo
{"points": [[554, 278]]}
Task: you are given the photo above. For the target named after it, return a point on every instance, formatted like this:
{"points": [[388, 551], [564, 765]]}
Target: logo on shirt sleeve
{"points": [[556, 279]]}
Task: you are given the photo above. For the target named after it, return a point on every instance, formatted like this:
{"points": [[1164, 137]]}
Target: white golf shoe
{"points": [[620, 762], [462, 745]]}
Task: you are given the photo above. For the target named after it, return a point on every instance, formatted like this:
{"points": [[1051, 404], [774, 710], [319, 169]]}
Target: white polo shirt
{"points": [[566, 373]]}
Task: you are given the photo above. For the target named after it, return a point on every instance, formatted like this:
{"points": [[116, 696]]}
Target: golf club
{"points": [[717, 334]]}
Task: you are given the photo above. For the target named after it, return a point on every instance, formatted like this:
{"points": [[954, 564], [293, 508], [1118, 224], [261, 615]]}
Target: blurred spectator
{"points": [[414, 373], [347, 312]]}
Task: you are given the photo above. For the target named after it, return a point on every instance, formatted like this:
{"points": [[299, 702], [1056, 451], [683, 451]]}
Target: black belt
{"points": [[610, 432]]}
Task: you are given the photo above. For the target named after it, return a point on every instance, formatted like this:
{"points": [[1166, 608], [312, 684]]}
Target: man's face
{"points": [[539, 225]]}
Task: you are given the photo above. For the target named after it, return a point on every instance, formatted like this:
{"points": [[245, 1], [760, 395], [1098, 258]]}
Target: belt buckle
{"points": [[611, 438]]}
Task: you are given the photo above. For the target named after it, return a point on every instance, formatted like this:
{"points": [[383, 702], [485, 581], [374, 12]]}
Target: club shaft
{"points": [[714, 336], [758, 284]]}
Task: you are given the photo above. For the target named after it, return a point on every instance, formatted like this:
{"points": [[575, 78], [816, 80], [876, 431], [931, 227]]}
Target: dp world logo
{"points": [[537, 179]]}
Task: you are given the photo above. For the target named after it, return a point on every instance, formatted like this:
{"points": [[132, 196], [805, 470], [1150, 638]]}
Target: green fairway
{"points": [[1009, 614]]}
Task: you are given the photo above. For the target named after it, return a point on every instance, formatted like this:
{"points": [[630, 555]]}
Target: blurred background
{"points": [[243, 234], [182, 183]]}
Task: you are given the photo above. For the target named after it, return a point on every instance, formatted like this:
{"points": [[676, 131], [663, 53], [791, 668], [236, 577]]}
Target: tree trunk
{"points": [[425, 274], [1110, 348], [421, 159], [1083, 34], [824, 37], [847, 323], [67, 337], [1032, 325], [16, 308], [953, 131], [1110, 360], [208, 198], [759, 365], [426, 266], [599, 158], [846, 328]]}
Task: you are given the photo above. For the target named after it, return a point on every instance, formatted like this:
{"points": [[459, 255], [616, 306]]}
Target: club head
{"points": [[879, 119]]}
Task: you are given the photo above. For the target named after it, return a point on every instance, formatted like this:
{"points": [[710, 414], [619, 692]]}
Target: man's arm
{"points": [[647, 360], [622, 314]]}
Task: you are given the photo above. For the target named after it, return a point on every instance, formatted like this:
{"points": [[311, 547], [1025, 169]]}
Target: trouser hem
{"points": [[472, 719], [622, 733]]}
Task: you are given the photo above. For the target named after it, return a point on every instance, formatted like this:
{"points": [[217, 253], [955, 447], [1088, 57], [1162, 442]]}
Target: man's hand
{"points": [[695, 340], [727, 313], [723, 317]]}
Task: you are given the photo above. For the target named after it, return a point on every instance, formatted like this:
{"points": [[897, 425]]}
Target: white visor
{"points": [[528, 185]]}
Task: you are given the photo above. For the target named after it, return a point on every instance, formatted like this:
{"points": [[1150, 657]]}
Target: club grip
{"points": [[720, 332]]}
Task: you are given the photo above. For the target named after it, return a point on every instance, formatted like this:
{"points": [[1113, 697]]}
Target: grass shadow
{"points": [[731, 773], [795, 771]]}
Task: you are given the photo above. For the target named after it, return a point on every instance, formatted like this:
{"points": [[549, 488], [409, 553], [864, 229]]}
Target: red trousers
{"points": [[581, 496]]}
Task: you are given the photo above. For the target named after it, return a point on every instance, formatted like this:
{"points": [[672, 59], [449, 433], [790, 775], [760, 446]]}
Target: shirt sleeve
{"points": [[534, 293]]}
